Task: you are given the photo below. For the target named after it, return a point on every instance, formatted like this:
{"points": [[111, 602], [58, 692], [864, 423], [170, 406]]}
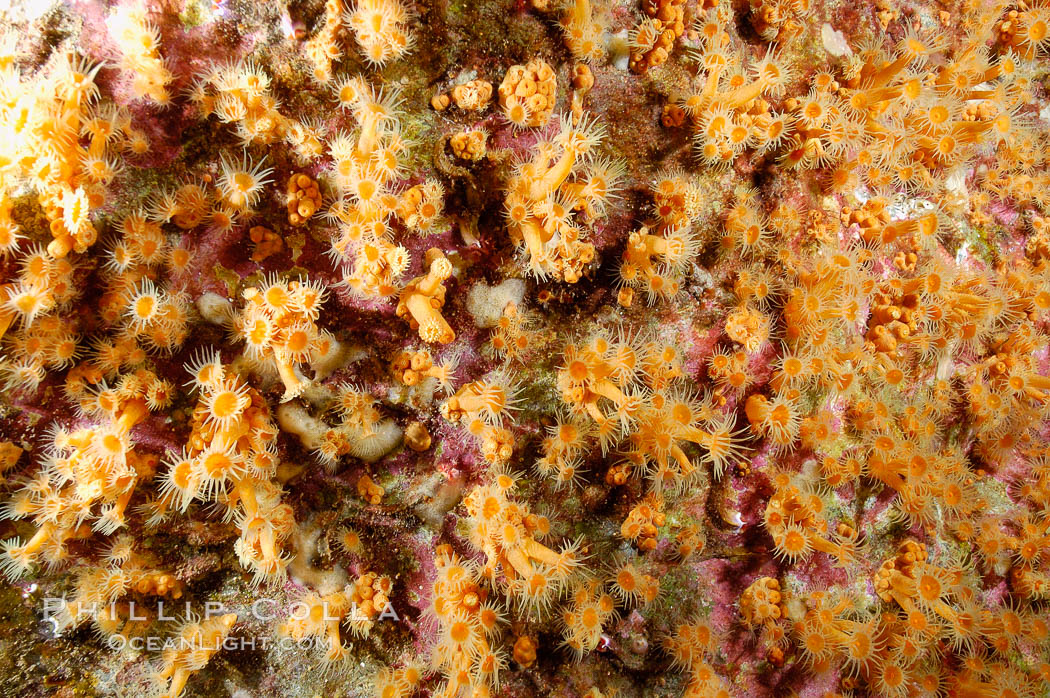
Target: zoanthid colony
{"points": [[525, 348]]}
